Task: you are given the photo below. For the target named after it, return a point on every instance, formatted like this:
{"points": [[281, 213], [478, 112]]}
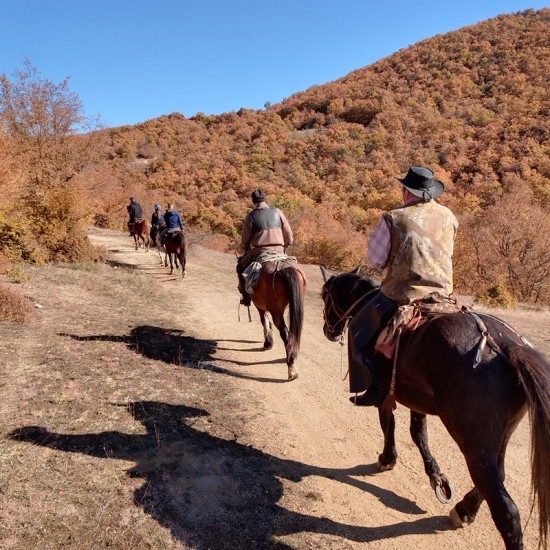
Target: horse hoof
{"points": [[456, 520], [444, 491], [292, 374], [382, 467]]}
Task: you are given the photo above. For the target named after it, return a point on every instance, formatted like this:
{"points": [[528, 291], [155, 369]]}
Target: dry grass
{"points": [[105, 441]]}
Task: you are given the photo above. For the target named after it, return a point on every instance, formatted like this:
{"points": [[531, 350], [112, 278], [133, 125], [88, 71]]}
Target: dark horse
{"points": [[479, 405], [140, 231], [175, 245], [280, 284]]}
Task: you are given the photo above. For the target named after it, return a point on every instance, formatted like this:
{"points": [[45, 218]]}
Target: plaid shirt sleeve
{"points": [[379, 244]]}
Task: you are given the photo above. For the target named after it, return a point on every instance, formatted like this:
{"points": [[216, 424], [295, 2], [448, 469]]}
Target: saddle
{"points": [[410, 316], [173, 234]]}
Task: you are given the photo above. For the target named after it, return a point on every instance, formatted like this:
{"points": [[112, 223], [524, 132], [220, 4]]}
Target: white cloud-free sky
{"points": [[133, 60]]}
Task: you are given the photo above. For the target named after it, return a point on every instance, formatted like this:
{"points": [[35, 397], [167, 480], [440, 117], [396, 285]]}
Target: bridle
{"points": [[344, 316]]}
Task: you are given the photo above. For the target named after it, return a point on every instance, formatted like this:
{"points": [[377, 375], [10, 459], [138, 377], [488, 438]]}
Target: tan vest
{"points": [[422, 240]]}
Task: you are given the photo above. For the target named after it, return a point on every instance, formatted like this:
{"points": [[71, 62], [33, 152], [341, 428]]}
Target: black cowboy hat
{"points": [[421, 182], [258, 196]]}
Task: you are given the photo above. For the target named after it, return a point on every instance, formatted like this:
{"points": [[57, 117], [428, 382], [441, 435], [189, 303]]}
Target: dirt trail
{"points": [[311, 421], [319, 451]]}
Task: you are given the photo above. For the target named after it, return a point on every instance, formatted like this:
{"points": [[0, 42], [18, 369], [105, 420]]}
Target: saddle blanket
{"points": [[251, 273]]}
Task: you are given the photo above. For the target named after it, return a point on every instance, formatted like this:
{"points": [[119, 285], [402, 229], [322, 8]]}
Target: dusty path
{"points": [[162, 423], [310, 421]]}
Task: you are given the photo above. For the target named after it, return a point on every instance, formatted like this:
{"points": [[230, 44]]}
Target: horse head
{"points": [[342, 294]]}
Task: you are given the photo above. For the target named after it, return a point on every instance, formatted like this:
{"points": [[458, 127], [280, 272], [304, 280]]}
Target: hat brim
{"points": [[425, 194]]}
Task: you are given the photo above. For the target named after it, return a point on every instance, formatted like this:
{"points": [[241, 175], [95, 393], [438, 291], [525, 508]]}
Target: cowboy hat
{"points": [[421, 182]]}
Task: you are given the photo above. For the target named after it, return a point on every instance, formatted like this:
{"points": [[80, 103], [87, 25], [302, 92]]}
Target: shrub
{"points": [[497, 296], [14, 306], [17, 275]]}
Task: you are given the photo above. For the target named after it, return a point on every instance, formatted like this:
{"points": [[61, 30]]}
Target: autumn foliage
{"points": [[471, 104]]}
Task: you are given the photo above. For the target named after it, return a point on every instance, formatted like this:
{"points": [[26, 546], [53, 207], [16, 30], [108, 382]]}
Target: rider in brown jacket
{"points": [[264, 228]]}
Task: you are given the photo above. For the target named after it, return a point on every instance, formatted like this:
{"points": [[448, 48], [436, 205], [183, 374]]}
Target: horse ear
{"points": [[326, 274]]}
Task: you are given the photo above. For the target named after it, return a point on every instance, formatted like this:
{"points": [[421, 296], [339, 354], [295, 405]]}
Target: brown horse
{"points": [[140, 232], [278, 288], [480, 403], [175, 245]]}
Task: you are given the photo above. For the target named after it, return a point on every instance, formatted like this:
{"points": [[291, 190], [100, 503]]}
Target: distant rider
{"points": [[157, 222], [135, 212], [173, 222]]}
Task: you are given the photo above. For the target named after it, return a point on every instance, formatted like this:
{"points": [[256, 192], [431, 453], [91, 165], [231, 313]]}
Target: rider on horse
{"points": [[135, 212], [415, 243], [265, 228], [173, 221], [157, 222]]}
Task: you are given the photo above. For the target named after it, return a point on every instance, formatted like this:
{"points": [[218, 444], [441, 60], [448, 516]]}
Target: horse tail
{"points": [[534, 374], [293, 281]]}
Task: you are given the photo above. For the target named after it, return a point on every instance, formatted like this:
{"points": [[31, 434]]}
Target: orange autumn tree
{"points": [[51, 145]]}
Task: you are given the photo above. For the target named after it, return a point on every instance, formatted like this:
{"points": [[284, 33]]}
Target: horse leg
{"points": [[388, 458], [160, 255], [279, 322], [136, 239], [171, 263], [466, 510], [488, 478], [439, 482], [268, 334], [182, 263]]}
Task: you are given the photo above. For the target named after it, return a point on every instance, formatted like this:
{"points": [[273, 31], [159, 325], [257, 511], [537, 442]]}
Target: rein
{"points": [[343, 315]]}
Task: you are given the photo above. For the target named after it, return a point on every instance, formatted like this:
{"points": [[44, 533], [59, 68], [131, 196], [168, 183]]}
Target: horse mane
{"points": [[357, 284]]}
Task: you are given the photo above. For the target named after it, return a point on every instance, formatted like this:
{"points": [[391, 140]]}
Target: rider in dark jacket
{"points": [[157, 222], [135, 212]]}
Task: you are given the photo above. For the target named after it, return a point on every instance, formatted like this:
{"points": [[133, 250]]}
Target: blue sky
{"points": [[130, 61]]}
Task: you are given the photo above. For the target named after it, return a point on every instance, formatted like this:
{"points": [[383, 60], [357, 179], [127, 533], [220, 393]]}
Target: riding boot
{"points": [[376, 392], [245, 300]]}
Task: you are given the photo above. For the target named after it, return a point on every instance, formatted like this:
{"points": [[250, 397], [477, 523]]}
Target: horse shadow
{"points": [[172, 346], [217, 493]]}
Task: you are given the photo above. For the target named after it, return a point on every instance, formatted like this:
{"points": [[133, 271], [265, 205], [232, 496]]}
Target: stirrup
{"points": [[373, 397], [246, 301]]}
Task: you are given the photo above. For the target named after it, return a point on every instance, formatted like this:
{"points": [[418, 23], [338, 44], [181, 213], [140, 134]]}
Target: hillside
{"points": [[472, 104]]}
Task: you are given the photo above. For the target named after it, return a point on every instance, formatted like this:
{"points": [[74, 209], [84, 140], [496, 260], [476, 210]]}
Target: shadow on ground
{"points": [[174, 347], [215, 493]]}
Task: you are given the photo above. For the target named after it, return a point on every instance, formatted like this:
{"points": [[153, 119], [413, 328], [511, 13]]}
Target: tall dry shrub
{"points": [[43, 121], [508, 246]]}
